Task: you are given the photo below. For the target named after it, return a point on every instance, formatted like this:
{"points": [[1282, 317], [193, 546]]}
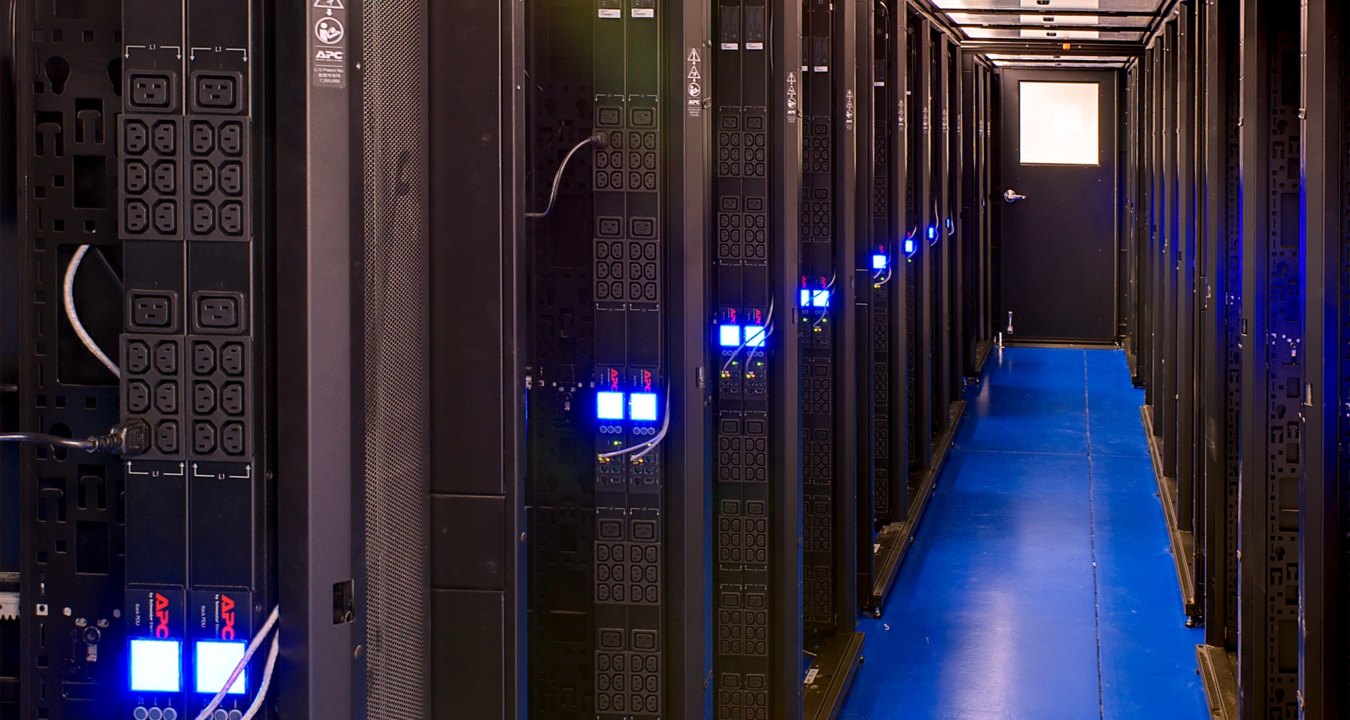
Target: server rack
{"points": [[757, 511], [941, 276], [1221, 359], [954, 223], [1187, 268], [985, 328], [828, 370], [972, 210], [616, 368], [925, 375], [147, 159], [1171, 409], [1272, 360], [9, 388], [1325, 495], [880, 525], [868, 378]]}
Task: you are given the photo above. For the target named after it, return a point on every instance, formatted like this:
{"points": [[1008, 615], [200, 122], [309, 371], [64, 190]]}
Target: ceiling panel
{"points": [[1006, 57], [1055, 34], [1146, 6], [1049, 64], [1049, 19], [1041, 28]]}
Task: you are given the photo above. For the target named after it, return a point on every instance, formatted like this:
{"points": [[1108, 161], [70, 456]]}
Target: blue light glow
{"points": [[156, 666], [805, 298], [214, 661], [642, 407], [909, 246], [729, 335], [609, 406], [879, 262], [820, 298], [755, 336], [932, 233]]}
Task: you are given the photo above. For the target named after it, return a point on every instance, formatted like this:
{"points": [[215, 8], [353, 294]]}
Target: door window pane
{"points": [[1059, 123]]}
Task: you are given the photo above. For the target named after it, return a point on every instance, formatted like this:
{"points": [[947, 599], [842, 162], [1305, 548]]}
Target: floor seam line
{"points": [[1092, 534]]}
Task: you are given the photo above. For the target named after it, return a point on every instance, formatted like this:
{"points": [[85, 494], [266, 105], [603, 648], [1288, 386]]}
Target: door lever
{"points": [[1010, 196]]}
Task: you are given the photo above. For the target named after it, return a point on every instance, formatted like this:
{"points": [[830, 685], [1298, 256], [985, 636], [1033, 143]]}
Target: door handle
{"points": [[1011, 197]]}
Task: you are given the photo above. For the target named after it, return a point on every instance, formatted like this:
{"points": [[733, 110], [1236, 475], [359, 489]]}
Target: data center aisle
{"points": [[1040, 585]]}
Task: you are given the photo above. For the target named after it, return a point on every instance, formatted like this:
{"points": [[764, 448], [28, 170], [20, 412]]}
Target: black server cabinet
{"points": [[1187, 272], [1221, 325], [883, 346], [9, 385], [921, 285], [971, 223], [758, 95], [828, 355], [1157, 265], [144, 192], [70, 510], [954, 225], [1325, 496], [616, 128], [1272, 361], [864, 279], [940, 288]]}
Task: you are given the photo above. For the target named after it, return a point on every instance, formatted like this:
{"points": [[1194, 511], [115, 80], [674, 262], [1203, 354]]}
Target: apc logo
{"points": [[328, 55], [161, 616], [227, 615]]}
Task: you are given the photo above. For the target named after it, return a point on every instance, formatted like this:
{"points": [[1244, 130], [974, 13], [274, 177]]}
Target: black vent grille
{"points": [[396, 348]]}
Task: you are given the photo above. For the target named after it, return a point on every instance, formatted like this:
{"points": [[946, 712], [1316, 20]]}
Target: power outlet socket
{"points": [[150, 91], [216, 92], [152, 311], [219, 312]]}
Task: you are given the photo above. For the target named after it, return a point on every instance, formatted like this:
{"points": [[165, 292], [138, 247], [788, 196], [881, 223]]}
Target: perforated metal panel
{"points": [[395, 346]]}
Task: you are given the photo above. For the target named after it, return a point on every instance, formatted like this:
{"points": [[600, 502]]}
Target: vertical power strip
{"points": [[191, 356]]}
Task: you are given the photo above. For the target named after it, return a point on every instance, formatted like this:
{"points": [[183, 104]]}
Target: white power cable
{"points": [[205, 714], [665, 427], [266, 680], [74, 317]]}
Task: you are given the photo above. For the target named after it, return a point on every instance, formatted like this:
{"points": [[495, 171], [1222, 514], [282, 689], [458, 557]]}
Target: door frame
{"points": [[1005, 80]]}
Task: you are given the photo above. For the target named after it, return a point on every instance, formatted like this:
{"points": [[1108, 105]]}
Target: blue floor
{"points": [[1040, 585]]}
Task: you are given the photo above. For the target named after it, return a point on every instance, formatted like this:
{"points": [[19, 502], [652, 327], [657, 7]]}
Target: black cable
{"points": [[599, 139], [51, 440], [133, 438]]}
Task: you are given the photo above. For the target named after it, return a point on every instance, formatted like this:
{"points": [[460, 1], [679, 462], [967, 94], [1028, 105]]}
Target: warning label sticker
{"points": [[328, 43]]}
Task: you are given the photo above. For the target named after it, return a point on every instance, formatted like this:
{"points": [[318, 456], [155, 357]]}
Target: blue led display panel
{"points": [[215, 660], [156, 666], [729, 335], [642, 407], [755, 335], [609, 406]]}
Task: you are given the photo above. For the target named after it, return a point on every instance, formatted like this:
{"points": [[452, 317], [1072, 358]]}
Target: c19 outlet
{"points": [[216, 92]]}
